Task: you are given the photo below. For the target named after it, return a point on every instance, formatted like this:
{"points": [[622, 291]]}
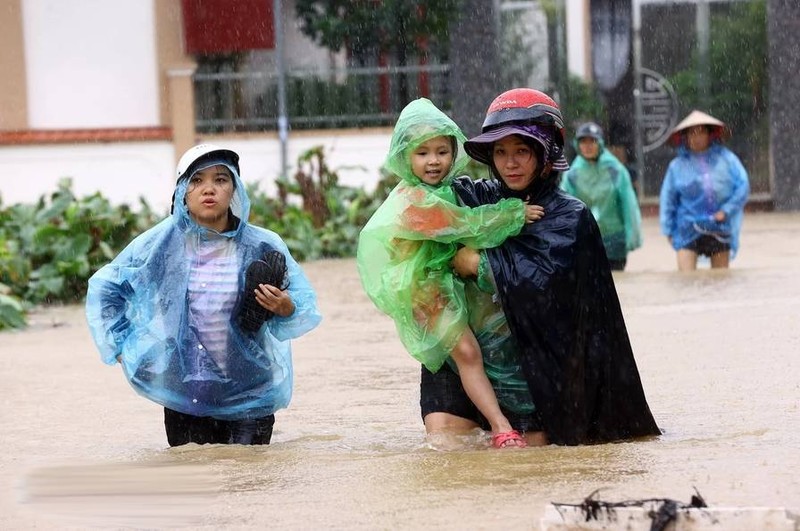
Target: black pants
{"points": [[442, 392], [184, 429], [617, 265]]}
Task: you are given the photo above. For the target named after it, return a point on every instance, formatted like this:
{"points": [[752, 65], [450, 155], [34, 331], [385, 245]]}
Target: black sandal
{"points": [[271, 269]]}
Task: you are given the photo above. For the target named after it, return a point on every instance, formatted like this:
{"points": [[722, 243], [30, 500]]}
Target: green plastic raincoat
{"points": [[605, 186], [405, 249]]}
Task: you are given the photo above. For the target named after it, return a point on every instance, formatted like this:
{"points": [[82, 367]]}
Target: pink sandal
{"points": [[499, 440]]}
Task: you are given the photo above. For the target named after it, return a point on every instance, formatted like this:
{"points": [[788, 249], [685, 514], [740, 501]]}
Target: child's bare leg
{"points": [[468, 358]]}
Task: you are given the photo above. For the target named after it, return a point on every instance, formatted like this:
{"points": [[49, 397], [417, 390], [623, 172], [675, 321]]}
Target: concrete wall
{"points": [[90, 63], [125, 171]]}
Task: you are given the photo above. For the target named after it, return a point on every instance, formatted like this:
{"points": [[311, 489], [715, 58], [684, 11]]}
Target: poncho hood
{"points": [[601, 144], [239, 207], [419, 122]]}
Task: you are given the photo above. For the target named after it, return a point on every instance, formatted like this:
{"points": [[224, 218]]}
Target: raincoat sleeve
{"points": [[668, 202], [485, 279], [429, 217], [306, 315], [629, 204], [567, 183], [108, 299], [740, 185]]}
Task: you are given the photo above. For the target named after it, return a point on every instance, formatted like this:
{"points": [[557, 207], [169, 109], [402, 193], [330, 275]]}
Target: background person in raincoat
{"points": [[170, 308], [554, 285], [404, 252], [600, 180], [703, 194]]}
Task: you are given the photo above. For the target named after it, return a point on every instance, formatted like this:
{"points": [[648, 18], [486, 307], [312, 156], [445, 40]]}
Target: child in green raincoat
{"points": [[405, 249]]}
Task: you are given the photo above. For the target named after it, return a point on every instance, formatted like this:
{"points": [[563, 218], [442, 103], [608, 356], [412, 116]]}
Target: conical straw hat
{"points": [[720, 130]]}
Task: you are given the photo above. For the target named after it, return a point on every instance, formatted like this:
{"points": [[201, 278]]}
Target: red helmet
{"points": [[525, 112], [524, 106]]}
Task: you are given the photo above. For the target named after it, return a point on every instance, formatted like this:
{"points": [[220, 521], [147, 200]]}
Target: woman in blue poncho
{"points": [[600, 180], [703, 194], [199, 310]]}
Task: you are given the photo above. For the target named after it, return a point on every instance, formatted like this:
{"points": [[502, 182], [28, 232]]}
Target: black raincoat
{"points": [[558, 295]]}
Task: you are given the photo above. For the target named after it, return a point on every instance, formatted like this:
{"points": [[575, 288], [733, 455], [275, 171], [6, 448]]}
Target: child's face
{"points": [[208, 197], [432, 159]]}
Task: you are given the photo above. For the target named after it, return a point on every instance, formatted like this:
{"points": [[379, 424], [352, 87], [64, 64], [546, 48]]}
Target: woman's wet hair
{"points": [[537, 148], [206, 161]]}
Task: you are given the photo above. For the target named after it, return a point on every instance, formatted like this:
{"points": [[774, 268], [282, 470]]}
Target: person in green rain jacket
{"points": [[405, 249], [600, 180]]}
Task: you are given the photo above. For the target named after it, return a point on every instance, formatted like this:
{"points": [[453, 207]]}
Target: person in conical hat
{"points": [[717, 128], [703, 193]]}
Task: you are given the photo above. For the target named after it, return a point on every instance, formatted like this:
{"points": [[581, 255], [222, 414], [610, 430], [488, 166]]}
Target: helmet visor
{"points": [[540, 114], [480, 147]]}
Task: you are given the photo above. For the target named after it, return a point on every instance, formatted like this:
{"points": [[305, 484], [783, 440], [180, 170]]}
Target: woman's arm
{"points": [[466, 262], [740, 185], [668, 200], [301, 312], [106, 307]]}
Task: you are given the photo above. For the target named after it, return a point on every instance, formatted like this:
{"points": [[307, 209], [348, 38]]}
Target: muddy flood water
{"points": [[718, 352]]}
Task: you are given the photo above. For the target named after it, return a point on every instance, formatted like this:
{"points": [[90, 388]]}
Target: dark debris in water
{"points": [[663, 511]]}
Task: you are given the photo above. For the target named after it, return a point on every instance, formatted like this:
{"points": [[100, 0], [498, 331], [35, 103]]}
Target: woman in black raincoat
{"points": [[555, 287]]}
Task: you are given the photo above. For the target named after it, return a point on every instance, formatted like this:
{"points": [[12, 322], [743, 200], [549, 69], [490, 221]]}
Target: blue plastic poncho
{"points": [[605, 186], [138, 309], [695, 187], [405, 249]]}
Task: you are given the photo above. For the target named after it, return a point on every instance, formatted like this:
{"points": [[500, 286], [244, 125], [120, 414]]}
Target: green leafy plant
{"points": [[12, 314], [48, 250], [315, 215]]}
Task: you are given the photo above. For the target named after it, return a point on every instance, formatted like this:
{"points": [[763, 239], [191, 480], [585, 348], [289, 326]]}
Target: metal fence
{"points": [[229, 101]]}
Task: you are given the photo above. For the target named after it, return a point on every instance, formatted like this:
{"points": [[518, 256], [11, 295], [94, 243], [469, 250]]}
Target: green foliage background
{"points": [[48, 250]]}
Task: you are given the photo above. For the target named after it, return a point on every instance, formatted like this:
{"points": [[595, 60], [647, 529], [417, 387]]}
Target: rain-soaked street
{"points": [[717, 352]]}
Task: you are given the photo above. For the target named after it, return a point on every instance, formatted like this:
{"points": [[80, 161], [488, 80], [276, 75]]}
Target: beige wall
{"points": [[587, 43], [175, 69], [169, 47], [13, 86]]}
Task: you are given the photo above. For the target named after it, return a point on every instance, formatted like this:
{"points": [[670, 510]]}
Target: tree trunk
{"points": [[783, 35], [474, 63]]}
